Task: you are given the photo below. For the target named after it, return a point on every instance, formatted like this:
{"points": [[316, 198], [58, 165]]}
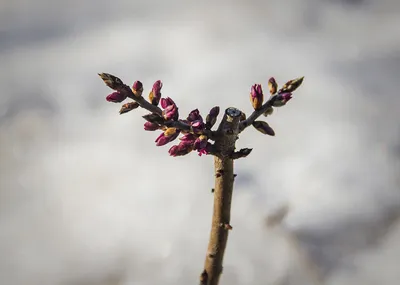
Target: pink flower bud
{"points": [[155, 93], [116, 97], [167, 136], [194, 116], [171, 112], [182, 148], [148, 126], [198, 127], [165, 102], [282, 99], [189, 138], [200, 143], [256, 96], [137, 88]]}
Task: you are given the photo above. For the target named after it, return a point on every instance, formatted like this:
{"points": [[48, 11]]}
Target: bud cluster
{"points": [[193, 135], [194, 129], [278, 98]]}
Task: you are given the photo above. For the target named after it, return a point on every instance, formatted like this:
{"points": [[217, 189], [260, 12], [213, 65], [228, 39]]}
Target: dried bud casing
{"points": [[111, 81], [269, 111], [154, 118], [272, 85], [241, 153], [128, 107], [291, 85], [256, 96], [137, 89], [242, 116], [212, 116], [263, 127]]}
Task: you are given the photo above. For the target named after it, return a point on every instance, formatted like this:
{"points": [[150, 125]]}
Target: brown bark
{"points": [[224, 178]]}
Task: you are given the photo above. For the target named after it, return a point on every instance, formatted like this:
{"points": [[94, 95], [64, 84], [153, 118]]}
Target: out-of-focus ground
{"points": [[86, 197]]}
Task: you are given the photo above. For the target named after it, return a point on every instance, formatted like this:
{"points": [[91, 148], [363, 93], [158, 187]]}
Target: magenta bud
{"points": [[256, 96], [194, 116], [157, 87], [286, 96], [167, 136], [182, 148], [148, 126], [198, 127], [165, 102], [155, 94], [137, 88], [189, 138], [171, 112], [282, 99], [200, 142], [116, 97]]}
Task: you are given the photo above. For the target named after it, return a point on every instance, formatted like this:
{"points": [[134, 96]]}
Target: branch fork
{"points": [[197, 134]]}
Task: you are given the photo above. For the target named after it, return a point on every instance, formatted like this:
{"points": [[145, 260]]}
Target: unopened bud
{"points": [[212, 116], [263, 127], [116, 97], [111, 81], [137, 89], [256, 96], [128, 107], [282, 99], [291, 85], [154, 118], [151, 126], [272, 85], [155, 93]]}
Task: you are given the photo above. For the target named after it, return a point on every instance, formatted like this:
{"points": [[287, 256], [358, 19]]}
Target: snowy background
{"points": [[87, 199]]}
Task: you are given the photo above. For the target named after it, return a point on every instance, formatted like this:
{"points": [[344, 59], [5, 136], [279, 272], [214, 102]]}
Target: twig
{"points": [[224, 178], [257, 113]]}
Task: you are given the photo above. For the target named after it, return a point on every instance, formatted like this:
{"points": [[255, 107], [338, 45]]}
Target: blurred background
{"points": [[86, 198]]}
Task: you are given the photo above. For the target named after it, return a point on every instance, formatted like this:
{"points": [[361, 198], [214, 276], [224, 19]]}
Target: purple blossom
{"points": [[116, 97]]}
